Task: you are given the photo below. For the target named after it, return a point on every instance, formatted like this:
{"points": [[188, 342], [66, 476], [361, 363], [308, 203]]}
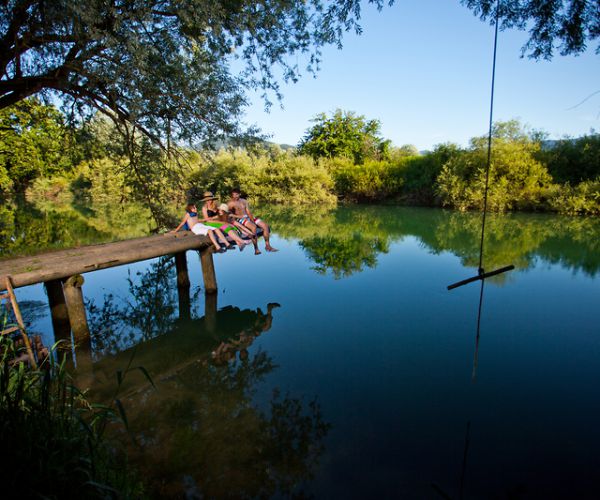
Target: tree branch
{"points": [[19, 17]]}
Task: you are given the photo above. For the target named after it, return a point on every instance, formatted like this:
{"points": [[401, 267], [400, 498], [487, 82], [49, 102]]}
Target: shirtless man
{"points": [[239, 208]]}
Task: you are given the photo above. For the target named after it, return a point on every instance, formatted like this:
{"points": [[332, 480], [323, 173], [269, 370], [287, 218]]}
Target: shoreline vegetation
{"points": [[60, 443], [46, 160]]}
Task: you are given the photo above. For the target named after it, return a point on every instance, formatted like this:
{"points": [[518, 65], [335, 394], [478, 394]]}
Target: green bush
{"points": [[371, 181], [53, 438], [278, 177], [517, 181], [573, 160], [581, 199]]}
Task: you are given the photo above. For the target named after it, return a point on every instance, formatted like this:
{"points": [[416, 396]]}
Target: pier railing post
{"points": [[208, 270], [74, 300], [183, 285]]}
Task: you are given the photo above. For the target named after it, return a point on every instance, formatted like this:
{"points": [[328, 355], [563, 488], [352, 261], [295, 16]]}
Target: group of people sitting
{"points": [[228, 223]]}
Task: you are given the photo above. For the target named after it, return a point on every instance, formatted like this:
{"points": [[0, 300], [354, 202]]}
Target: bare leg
{"points": [[255, 243], [239, 241], [266, 234], [244, 230], [222, 238], [250, 230], [211, 235]]}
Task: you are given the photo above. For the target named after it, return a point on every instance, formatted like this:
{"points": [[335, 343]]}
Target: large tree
{"points": [[344, 134], [166, 65]]}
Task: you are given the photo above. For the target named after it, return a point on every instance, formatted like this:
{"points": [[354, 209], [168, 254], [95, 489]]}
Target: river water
{"points": [[342, 367]]}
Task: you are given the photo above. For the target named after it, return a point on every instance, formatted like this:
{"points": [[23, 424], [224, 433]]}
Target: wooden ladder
{"points": [[10, 295]]}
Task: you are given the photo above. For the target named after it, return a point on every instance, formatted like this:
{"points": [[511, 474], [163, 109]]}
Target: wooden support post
{"points": [[210, 311], [185, 309], [208, 271], [183, 286], [84, 364], [74, 301], [58, 310], [183, 279]]}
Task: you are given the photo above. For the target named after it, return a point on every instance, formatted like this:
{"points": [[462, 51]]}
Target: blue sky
{"points": [[423, 68]]}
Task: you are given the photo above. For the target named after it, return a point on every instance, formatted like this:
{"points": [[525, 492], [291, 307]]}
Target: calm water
{"points": [[341, 367]]}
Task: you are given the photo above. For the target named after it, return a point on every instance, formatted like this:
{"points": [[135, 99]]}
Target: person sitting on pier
{"points": [[215, 216], [240, 209], [225, 216], [230, 228], [191, 223], [209, 206]]}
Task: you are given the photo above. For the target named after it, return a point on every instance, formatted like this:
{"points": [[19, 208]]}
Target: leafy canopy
{"points": [[34, 142], [566, 25], [164, 65], [344, 134]]}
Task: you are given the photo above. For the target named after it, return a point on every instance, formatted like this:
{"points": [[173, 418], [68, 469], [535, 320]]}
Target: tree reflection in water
{"points": [[347, 240], [200, 433], [343, 256]]}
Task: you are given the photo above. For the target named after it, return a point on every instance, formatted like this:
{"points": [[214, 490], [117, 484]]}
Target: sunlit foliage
{"points": [[344, 135]]}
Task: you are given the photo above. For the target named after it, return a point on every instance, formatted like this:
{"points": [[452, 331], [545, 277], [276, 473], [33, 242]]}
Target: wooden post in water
{"points": [[208, 271], [210, 311], [58, 310], [183, 285], [183, 279], [74, 300]]}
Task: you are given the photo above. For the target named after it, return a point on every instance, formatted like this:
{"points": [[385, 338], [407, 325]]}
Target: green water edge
{"points": [[341, 240]]}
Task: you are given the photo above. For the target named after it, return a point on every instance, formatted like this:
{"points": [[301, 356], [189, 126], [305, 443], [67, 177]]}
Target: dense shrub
{"points": [[581, 199], [371, 181], [54, 439], [574, 160], [276, 177], [517, 181]]}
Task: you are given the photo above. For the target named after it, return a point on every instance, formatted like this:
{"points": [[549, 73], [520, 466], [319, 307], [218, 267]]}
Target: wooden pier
{"points": [[61, 272]]}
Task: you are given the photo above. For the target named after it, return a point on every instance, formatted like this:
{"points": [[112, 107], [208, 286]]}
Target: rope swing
{"points": [[481, 274]]}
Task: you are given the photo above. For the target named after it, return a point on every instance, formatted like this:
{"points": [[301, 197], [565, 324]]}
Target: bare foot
{"points": [[257, 252], [271, 249]]}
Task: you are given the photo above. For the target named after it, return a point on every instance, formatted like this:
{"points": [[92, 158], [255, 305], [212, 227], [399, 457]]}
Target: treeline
{"points": [[341, 158]]}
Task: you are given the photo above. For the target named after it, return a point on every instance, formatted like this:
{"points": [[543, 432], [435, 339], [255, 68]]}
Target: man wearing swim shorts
{"points": [[239, 208]]}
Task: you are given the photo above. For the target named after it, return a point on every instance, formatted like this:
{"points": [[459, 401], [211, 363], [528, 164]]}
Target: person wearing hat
{"points": [[191, 223], [209, 208], [222, 223], [225, 216]]}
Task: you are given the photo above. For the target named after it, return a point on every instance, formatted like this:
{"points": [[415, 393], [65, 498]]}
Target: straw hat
{"points": [[208, 196], [224, 207]]}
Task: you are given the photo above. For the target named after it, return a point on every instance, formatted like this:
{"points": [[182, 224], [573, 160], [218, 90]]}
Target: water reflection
{"points": [[27, 228], [340, 241], [461, 484], [343, 255], [345, 240], [205, 430]]}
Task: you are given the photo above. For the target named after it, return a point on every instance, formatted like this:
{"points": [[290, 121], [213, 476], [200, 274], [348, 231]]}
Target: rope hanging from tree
{"points": [[481, 274]]}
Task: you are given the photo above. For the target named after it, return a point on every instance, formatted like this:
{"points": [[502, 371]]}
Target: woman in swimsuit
{"points": [[191, 223], [209, 209], [215, 217]]}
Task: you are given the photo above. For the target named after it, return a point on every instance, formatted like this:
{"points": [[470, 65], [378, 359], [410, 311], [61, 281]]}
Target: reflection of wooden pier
{"points": [[61, 271]]}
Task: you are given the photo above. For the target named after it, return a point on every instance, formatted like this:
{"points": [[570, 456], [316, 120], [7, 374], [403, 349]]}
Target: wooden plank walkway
{"points": [[62, 264]]}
